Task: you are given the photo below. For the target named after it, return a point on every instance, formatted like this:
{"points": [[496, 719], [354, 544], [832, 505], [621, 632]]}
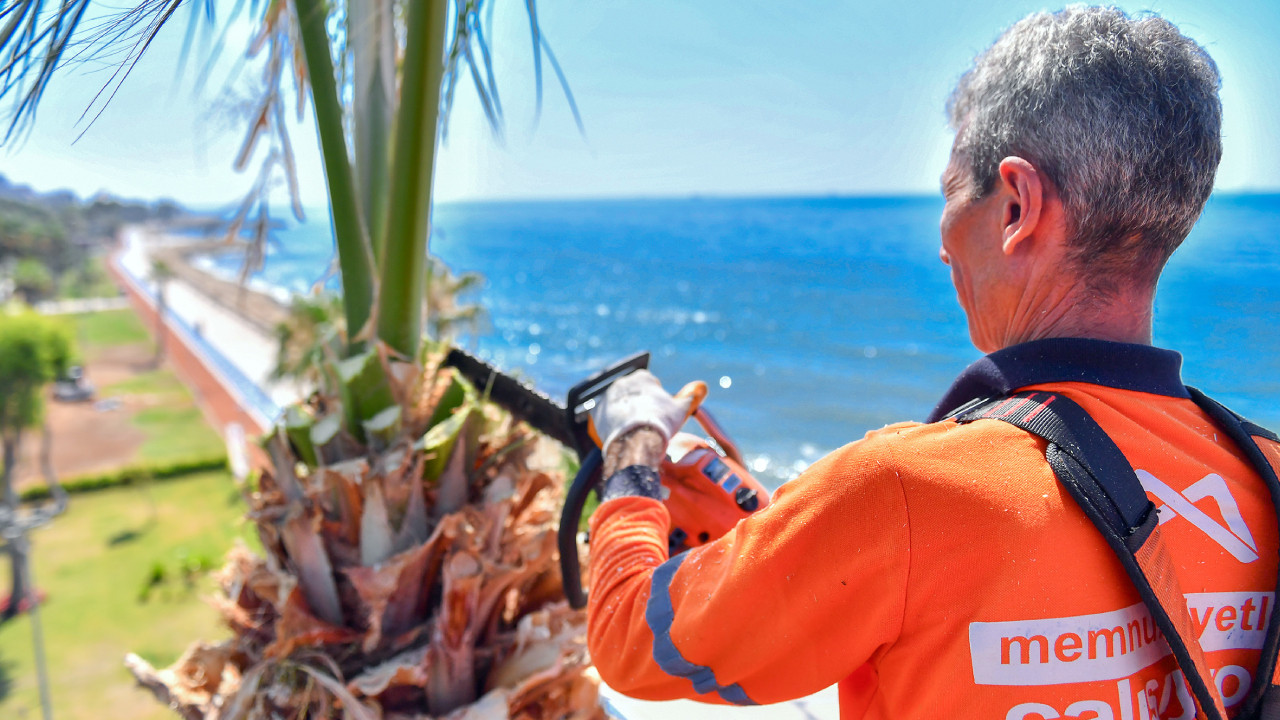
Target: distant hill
{"points": [[52, 238], [102, 214]]}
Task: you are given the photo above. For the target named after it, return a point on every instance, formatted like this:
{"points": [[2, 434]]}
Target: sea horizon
{"points": [[814, 319], [312, 209]]}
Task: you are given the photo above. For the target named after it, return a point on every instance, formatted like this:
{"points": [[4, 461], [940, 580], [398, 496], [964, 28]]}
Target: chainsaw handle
{"points": [[580, 401], [582, 398], [575, 500], [708, 423], [696, 392]]}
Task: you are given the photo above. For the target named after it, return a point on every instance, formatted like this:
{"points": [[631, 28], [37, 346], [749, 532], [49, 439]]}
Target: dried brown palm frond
{"points": [[414, 576]]}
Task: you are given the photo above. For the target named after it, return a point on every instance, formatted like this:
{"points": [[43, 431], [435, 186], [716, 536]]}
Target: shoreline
{"points": [[257, 307]]}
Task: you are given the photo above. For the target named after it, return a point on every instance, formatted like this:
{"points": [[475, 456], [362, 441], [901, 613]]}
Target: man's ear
{"points": [[1024, 201]]}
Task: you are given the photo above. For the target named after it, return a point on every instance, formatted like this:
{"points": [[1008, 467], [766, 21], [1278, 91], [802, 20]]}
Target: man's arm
{"points": [[795, 598], [642, 446]]}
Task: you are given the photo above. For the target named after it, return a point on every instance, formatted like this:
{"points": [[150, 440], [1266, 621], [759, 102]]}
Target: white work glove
{"points": [[638, 400]]}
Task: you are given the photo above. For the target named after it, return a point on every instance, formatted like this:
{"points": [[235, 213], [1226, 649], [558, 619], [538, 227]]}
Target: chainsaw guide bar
{"points": [[525, 402]]}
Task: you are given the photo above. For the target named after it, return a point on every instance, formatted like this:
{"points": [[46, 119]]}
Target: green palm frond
{"points": [[467, 42], [161, 271], [446, 311], [202, 16], [31, 50]]}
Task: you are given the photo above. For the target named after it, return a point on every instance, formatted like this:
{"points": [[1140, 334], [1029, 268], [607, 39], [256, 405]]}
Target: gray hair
{"points": [[1122, 115]]}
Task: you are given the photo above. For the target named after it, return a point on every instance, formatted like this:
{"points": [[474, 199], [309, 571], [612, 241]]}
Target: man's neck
{"points": [[1118, 316]]}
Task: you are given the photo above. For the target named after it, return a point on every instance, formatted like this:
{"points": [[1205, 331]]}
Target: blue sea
{"points": [[814, 320]]}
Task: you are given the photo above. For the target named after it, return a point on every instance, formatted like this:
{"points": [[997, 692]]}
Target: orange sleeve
{"points": [[796, 598]]}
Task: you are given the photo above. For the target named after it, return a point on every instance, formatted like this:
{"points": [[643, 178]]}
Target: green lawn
{"points": [[176, 433], [111, 328], [174, 427], [94, 562], [151, 382]]}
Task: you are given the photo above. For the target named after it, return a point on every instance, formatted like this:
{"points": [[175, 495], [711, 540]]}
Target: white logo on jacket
{"points": [[1110, 645], [1117, 646], [1235, 538]]}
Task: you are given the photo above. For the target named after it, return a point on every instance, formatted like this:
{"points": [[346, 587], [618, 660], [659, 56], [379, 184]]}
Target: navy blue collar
{"points": [[1141, 368]]}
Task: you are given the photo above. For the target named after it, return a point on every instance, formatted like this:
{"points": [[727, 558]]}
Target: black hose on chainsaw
{"points": [[567, 537]]}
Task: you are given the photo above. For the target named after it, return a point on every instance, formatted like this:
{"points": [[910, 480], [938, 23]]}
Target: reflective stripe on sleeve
{"points": [[659, 614]]}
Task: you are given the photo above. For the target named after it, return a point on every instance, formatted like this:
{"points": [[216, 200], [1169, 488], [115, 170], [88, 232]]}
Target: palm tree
{"points": [[311, 338], [408, 526], [447, 314], [161, 274], [309, 341]]}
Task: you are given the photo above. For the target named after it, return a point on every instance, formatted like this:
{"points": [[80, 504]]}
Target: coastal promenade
{"points": [[226, 357]]}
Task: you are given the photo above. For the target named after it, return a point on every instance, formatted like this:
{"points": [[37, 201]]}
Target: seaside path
{"points": [[241, 352]]}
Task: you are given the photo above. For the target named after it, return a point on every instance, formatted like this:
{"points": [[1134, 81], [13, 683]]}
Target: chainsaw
{"points": [[705, 484]]}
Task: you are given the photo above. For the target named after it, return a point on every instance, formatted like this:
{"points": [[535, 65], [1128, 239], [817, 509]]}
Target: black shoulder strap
{"points": [[1083, 457], [1095, 473], [1238, 426], [1264, 697]]}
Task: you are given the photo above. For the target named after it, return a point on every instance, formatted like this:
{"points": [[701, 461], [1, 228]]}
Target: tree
{"points": [[33, 351], [410, 534], [161, 274], [36, 236], [32, 280], [447, 314]]}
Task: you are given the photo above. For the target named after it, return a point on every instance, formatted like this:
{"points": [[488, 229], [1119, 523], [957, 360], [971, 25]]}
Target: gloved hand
{"points": [[639, 400]]}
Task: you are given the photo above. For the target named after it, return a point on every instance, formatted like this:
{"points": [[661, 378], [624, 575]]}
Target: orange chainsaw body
{"points": [[705, 492]]}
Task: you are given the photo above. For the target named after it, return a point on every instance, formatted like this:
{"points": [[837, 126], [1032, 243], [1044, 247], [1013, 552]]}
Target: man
{"points": [[940, 569]]}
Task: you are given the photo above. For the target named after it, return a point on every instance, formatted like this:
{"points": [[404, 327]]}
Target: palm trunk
{"points": [[46, 454], [371, 42], [18, 590], [11, 442], [162, 308]]}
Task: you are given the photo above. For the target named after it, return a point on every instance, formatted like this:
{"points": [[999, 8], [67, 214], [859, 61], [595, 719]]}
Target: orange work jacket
{"points": [[940, 570]]}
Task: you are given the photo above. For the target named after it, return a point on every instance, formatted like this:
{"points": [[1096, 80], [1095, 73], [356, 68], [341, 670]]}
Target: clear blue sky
{"points": [[714, 97]]}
